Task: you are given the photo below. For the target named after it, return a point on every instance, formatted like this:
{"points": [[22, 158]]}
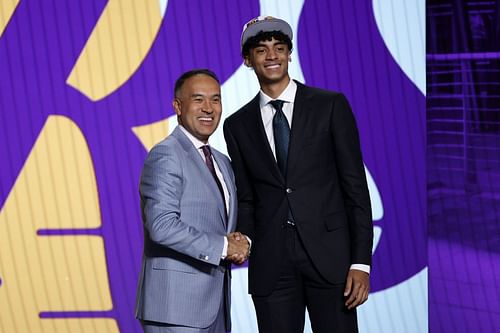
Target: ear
{"points": [[176, 103], [247, 62]]}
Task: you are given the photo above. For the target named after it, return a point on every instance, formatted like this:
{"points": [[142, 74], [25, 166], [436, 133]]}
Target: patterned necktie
{"points": [[281, 131], [210, 164]]}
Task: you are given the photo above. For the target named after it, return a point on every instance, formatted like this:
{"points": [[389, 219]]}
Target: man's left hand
{"points": [[357, 288]]}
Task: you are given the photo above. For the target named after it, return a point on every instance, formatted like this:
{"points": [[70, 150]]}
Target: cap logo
{"points": [[258, 19]]}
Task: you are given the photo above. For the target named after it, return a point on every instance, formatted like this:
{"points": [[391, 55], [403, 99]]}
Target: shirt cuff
{"points": [[224, 249], [361, 267], [249, 245]]}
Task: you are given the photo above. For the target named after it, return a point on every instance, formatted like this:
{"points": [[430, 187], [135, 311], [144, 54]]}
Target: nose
{"points": [[207, 106], [271, 54]]}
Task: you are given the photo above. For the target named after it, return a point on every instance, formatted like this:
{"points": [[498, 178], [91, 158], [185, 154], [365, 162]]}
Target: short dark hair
{"points": [[254, 41], [189, 74]]}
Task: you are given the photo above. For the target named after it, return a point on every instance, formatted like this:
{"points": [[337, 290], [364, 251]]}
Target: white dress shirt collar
{"points": [[288, 95], [196, 142]]}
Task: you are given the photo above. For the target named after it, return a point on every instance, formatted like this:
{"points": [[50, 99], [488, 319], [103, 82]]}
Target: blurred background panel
{"points": [[463, 165]]}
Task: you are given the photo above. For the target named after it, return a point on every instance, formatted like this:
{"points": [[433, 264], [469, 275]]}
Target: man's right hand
{"points": [[238, 248]]}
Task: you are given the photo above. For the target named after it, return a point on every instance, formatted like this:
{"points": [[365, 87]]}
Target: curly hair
{"points": [[254, 41]]}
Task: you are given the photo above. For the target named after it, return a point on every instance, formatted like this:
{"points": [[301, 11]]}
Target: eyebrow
{"points": [[261, 43], [201, 95]]}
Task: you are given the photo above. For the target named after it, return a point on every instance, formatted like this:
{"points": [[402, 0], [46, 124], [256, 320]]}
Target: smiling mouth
{"points": [[206, 119], [272, 66]]}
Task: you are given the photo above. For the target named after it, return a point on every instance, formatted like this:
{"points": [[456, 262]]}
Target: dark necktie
{"points": [[281, 131], [210, 164]]}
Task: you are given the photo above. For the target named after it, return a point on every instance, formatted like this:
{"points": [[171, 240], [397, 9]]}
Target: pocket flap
{"points": [[172, 265]]}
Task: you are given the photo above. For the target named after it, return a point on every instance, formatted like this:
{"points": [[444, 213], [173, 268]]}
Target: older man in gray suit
{"points": [[188, 200]]}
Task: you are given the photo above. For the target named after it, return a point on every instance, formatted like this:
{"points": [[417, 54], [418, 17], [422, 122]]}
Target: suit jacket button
{"points": [[289, 190]]}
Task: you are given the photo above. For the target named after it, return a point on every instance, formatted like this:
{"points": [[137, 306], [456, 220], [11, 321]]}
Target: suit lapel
{"points": [[228, 180], [301, 112], [259, 137], [196, 158]]}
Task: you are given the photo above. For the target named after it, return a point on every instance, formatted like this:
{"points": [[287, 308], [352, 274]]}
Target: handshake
{"points": [[238, 248]]}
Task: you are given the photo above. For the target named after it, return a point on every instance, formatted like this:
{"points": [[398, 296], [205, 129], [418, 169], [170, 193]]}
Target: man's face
{"points": [[269, 61], [198, 106]]}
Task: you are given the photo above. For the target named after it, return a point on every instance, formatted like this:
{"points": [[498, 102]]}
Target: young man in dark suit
{"points": [[302, 193]]}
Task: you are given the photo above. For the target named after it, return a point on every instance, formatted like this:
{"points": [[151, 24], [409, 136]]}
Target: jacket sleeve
{"points": [[161, 190], [243, 184], [352, 180]]}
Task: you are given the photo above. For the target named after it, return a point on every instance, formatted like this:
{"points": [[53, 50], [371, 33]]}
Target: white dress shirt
{"points": [[267, 112]]}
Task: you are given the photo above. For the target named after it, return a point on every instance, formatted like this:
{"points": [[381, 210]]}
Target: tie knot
{"points": [[277, 104], [206, 151]]}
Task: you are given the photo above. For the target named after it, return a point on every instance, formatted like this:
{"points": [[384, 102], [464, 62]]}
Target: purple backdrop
{"points": [[340, 48]]}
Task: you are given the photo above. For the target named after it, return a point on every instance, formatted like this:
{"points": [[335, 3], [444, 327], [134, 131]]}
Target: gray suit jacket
{"points": [[182, 281]]}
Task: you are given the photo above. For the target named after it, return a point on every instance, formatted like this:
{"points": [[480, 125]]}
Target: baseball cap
{"points": [[264, 23]]}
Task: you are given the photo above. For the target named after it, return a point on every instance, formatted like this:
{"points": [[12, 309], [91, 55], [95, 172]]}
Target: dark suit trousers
{"points": [[300, 286]]}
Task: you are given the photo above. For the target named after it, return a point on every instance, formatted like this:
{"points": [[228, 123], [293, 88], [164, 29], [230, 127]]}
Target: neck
{"points": [[274, 89]]}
